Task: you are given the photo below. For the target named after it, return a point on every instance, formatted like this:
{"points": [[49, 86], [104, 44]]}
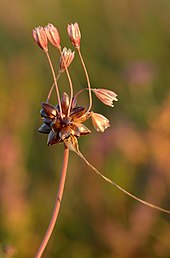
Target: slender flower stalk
{"points": [[55, 81], [50, 92], [87, 78], [54, 37], [69, 79], [75, 37], [52, 87], [57, 205]]}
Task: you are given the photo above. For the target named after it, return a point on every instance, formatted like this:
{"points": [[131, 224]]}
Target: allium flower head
{"points": [[74, 34], [106, 96], [66, 59], [53, 35], [40, 38], [58, 128]]}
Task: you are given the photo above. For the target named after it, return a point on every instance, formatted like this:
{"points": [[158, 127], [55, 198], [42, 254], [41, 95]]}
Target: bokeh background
{"points": [[126, 46]]}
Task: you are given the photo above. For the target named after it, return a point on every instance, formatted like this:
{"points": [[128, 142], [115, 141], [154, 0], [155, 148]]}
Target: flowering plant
{"points": [[64, 122]]}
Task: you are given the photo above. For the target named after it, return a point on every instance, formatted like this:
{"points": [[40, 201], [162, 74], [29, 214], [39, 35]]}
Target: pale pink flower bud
{"points": [[100, 122], [40, 38], [106, 96], [66, 59], [53, 35], [74, 34]]}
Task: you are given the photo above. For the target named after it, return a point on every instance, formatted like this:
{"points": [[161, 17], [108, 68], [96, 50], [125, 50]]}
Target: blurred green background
{"points": [[126, 46]]}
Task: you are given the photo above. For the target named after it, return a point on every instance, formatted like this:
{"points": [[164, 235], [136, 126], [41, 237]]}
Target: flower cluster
{"points": [[60, 129], [64, 122]]}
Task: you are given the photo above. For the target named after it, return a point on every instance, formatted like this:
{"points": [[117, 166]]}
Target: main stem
{"points": [[87, 78], [57, 205]]}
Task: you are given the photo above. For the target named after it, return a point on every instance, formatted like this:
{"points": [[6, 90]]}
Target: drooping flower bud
{"points": [[66, 59], [100, 122], [40, 38], [74, 34], [53, 35], [106, 96]]}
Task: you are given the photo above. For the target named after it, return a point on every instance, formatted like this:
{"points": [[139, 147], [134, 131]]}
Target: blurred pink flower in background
{"points": [[140, 72]]}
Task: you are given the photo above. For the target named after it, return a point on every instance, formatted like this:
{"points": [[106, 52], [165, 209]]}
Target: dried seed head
{"points": [[74, 34], [40, 38], [66, 59], [53, 35], [106, 96], [100, 122]]}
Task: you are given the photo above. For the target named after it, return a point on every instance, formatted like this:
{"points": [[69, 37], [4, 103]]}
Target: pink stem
{"points": [[57, 205], [55, 82], [87, 78]]}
